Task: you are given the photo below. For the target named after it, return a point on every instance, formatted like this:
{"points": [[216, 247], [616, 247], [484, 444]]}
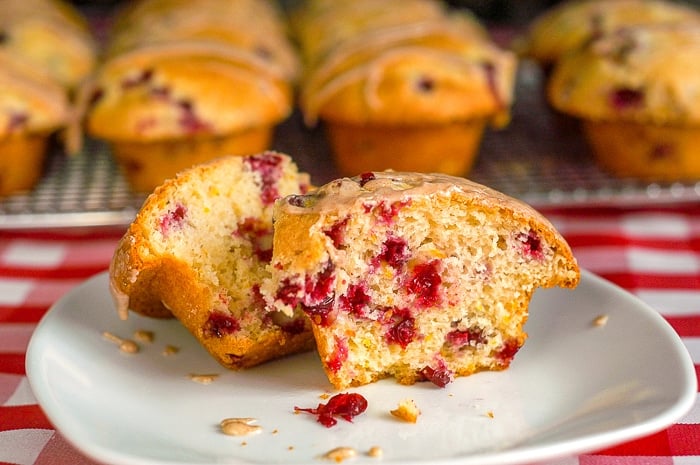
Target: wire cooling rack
{"points": [[540, 157]]}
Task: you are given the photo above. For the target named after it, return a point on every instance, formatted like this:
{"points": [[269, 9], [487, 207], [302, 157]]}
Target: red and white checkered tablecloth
{"points": [[654, 253]]}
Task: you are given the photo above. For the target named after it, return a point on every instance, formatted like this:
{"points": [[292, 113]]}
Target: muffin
{"points": [[184, 82], [50, 34], [403, 85], [573, 23], [32, 107], [198, 249], [411, 275], [635, 93]]}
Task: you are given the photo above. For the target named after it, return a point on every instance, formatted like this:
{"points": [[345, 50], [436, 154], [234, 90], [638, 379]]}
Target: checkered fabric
{"points": [[654, 253]]}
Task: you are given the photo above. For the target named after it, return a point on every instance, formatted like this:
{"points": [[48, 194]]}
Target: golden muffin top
{"points": [[645, 73], [572, 23]]}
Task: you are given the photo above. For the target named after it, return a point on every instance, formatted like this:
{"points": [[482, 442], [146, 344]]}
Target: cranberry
{"points": [[425, 84], [95, 96], [626, 99], [345, 405], [189, 121], [259, 235], [294, 326], [394, 252], [355, 300], [425, 283], [337, 232], [17, 121], [141, 78], [531, 245], [508, 351], [403, 327], [288, 293], [440, 376], [366, 177], [219, 324], [297, 200], [173, 218], [661, 152], [318, 289], [339, 356], [386, 213], [460, 338], [268, 165], [490, 72], [320, 312]]}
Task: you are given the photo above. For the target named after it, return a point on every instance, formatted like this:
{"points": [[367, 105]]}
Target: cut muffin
{"points": [[197, 250], [415, 276]]}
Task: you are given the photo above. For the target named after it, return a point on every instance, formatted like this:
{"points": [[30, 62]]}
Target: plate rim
{"points": [[521, 455]]}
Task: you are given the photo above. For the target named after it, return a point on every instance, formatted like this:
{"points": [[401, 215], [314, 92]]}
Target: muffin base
{"points": [[651, 153], [448, 148], [145, 165], [22, 162]]}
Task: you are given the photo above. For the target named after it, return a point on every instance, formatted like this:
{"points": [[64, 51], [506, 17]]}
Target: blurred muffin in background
{"points": [[573, 23], [32, 107], [186, 81], [401, 84], [637, 93], [50, 34], [46, 51]]}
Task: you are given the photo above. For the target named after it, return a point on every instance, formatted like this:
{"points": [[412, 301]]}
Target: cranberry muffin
{"points": [[411, 275]]}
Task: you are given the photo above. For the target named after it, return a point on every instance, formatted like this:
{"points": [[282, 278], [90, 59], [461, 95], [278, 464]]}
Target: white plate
{"points": [[574, 387]]}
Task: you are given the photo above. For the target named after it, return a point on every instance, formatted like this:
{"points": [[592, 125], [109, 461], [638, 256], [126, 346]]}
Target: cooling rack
{"points": [[540, 157]]}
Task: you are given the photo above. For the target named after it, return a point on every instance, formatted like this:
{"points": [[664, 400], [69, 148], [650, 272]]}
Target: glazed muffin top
{"points": [[435, 68], [574, 22], [255, 27], [50, 34], [181, 68], [645, 74], [31, 102]]}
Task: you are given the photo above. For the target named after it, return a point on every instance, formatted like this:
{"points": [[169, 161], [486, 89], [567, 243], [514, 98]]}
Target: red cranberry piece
{"points": [[320, 312], [440, 376], [220, 324], [531, 245], [173, 219], [141, 78], [337, 232], [17, 121], [259, 235], [319, 288], [626, 99], [508, 351], [386, 213], [425, 283], [160, 93], [366, 177], [268, 165], [345, 405], [662, 152], [425, 84], [339, 356], [490, 72], [394, 252], [95, 96], [189, 121], [289, 293], [355, 300], [460, 338], [403, 327]]}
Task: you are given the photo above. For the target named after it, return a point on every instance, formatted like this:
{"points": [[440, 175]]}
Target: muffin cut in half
{"points": [[415, 276], [198, 250]]}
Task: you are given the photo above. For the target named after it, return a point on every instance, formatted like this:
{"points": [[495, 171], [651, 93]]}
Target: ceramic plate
{"points": [[574, 387]]}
